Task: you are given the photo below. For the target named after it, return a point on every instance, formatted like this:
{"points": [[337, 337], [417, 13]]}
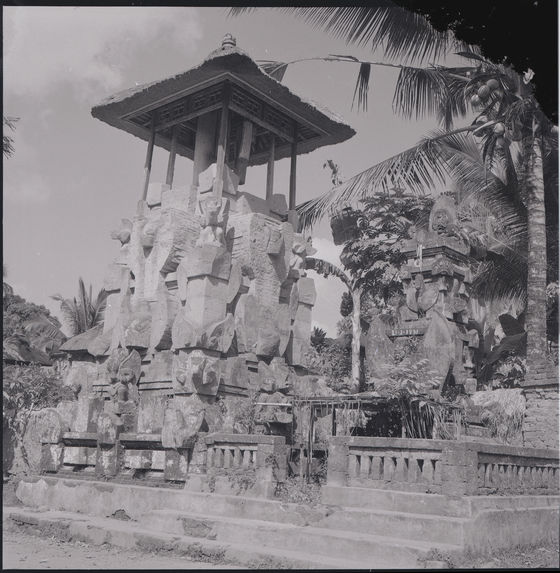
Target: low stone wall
{"points": [[226, 463], [541, 421], [245, 463], [441, 466]]}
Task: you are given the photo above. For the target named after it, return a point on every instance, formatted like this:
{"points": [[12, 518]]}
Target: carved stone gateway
{"points": [[435, 308], [209, 302]]}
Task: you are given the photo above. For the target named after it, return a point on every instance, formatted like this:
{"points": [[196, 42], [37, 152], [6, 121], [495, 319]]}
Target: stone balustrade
{"points": [[262, 458], [441, 466]]}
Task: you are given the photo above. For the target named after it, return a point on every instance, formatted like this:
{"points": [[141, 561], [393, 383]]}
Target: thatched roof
{"points": [[80, 342], [130, 109]]}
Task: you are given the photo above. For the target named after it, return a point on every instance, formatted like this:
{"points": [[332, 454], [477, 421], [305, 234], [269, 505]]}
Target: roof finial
{"points": [[228, 42]]}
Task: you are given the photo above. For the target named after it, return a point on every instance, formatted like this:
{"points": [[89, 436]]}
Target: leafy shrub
{"points": [[26, 389]]}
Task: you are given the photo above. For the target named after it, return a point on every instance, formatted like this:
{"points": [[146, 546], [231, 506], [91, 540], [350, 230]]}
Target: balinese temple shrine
{"points": [[209, 302]]}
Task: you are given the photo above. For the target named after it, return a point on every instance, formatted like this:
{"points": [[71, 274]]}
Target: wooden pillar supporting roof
{"points": [[293, 162], [270, 168], [172, 156], [149, 156], [222, 144]]}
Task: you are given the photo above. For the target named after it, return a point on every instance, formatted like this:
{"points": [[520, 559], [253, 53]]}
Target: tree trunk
{"points": [[535, 321], [356, 336]]}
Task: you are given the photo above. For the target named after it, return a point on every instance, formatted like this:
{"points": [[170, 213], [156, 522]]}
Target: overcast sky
{"points": [[73, 178]]}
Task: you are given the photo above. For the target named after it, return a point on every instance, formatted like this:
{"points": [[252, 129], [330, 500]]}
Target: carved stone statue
{"points": [[123, 233], [123, 368], [301, 249], [213, 220]]}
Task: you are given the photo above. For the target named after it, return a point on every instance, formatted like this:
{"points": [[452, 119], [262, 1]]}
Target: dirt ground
{"points": [[540, 557], [24, 551]]}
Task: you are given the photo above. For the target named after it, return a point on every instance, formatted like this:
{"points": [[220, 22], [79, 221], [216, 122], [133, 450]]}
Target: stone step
{"points": [[103, 499], [404, 525], [391, 500], [373, 549], [67, 526]]}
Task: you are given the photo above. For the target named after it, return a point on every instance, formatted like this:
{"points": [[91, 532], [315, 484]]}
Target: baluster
{"points": [[413, 470], [210, 457], [246, 454], [487, 475], [546, 477], [540, 477], [236, 458], [227, 458], [509, 476], [388, 468], [365, 465], [481, 474], [428, 471], [218, 457], [253, 458], [399, 469], [521, 477], [353, 465], [376, 467]]}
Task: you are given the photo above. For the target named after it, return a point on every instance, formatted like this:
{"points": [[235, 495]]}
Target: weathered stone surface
{"points": [[163, 314], [179, 430], [114, 277], [109, 427], [218, 336], [278, 204], [379, 349], [44, 426], [150, 412], [247, 323], [138, 459], [176, 465], [159, 369], [275, 242], [207, 260], [306, 291], [197, 371], [235, 373], [235, 282], [438, 344]]}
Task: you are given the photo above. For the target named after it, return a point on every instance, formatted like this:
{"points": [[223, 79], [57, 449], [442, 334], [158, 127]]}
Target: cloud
{"points": [[86, 47], [22, 182], [327, 250]]}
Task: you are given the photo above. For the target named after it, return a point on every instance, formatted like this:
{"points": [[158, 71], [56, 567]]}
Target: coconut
{"points": [[483, 92], [499, 129], [475, 101], [493, 84], [554, 130]]}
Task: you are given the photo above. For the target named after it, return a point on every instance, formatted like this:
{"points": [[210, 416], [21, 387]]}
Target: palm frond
{"points": [[432, 90], [322, 267], [420, 168], [362, 86], [502, 277], [273, 68], [404, 35]]}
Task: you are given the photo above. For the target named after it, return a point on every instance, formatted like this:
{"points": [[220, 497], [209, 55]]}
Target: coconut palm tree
{"points": [[82, 313], [510, 114], [518, 145]]}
